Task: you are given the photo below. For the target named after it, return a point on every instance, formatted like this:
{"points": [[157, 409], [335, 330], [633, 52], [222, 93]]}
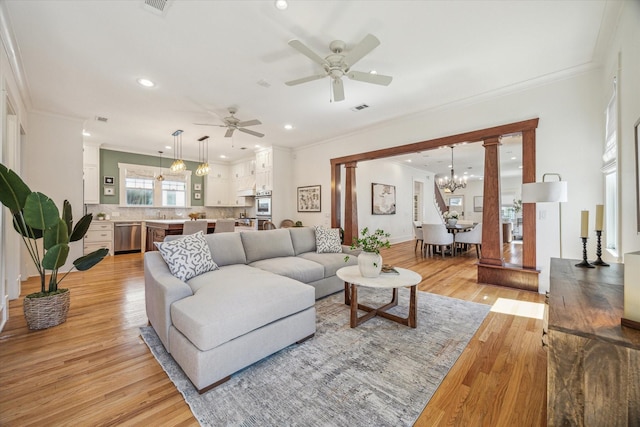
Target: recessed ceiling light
{"points": [[281, 4], [257, 145], [288, 127], [85, 133], [408, 160], [222, 156], [168, 147], [145, 82], [513, 158], [373, 72]]}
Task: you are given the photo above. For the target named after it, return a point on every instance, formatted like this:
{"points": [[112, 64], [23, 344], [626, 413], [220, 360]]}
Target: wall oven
{"points": [[263, 205]]}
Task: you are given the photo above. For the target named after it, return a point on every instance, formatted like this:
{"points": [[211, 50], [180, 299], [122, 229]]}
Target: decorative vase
{"points": [[452, 221], [370, 264], [46, 312]]}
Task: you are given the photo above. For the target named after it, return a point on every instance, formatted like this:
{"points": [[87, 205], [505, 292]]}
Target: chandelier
{"points": [[203, 156], [160, 177], [449, 185], [178, 164]]}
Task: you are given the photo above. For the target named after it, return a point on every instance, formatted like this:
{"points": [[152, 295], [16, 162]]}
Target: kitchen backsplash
{"points": [[116, 212]]}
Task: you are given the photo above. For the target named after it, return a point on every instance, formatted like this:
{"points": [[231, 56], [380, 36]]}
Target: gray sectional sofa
{"points": [[260, 300]]}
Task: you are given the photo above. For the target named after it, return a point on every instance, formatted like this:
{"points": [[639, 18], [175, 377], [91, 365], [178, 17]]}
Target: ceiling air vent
{"points": [[102, 119], [360, 107], [158, 7]]}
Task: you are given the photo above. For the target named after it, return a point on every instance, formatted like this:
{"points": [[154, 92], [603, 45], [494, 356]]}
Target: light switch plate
{"points": [[109, 191]]}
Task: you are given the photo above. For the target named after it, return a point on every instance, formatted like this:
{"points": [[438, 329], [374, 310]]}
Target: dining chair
{"points": [[192, 227], [471, 237], [436, 235], [286, 223], [417, 231], [268, 225], [225, 225]]}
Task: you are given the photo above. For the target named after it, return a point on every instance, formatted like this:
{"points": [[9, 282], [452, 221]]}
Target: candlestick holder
{"points": [[584, 263], [599, 261]]}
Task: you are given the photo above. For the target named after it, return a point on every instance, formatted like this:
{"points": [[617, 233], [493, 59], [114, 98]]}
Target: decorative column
{"points": [[350, 203], [336, 195], [529, 209], [491, 214]]}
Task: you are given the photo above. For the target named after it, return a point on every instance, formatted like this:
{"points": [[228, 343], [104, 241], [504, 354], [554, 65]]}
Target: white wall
{"points": [[570, 125], [54, 166]]}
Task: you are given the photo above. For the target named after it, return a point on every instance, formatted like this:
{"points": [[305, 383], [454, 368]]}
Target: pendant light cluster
{"points": [[450, 185], [178, 164], [203, 156], [160, 177]]}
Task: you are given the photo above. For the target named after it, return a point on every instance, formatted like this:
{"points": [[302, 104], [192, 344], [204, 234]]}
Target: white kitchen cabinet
{"points": [[264, 170], [99, 235], [91, 173], [218, 187]]}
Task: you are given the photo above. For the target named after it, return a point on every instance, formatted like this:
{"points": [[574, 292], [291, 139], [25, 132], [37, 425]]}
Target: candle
{"points": [[599, 217], [584, 224]]}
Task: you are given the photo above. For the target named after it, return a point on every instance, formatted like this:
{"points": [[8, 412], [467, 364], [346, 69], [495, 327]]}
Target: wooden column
{"points": [[350, 203], [529, 209], [336, 195], [491, 214]]}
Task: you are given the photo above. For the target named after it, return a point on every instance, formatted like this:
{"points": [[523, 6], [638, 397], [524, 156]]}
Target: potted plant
{"points": [[369, 260], [101, 216], [451, 217], [35, 217]]}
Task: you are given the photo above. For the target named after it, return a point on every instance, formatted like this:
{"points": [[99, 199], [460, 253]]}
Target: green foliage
{"points": [[371, 242], [35, 216]]}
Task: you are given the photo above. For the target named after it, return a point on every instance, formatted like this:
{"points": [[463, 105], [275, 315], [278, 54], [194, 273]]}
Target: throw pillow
{"points": [[328, 240], [187, 257]]}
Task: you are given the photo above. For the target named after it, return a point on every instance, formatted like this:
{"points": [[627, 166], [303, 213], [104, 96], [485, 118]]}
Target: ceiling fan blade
{"points": [[303, 49], [305, 79], [367, 44], [229, 132], [250, 132], [249, 123], [338, 90], [208, 124], [377, 79]]}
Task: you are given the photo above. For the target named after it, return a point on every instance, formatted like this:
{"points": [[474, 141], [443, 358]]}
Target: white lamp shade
{"points": [[541, 192]]}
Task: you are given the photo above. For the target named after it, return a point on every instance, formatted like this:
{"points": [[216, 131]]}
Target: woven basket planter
{"points": [[45, 312]]}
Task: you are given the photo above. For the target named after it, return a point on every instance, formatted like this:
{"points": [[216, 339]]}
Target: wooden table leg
{"points": [[354, 305], [412, 319], [347, 297]]}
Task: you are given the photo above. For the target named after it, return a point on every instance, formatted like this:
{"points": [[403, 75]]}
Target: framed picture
{"points": [[196, 196], [636, 129], [309, 199], [383, 199], [197, 187], [109, 180], [456, 201], [478, 202]]}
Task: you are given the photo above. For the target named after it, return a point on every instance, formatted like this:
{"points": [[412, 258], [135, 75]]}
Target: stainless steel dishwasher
{"points": [[127, 237]]}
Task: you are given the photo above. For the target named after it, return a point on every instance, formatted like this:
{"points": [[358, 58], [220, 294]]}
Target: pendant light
{"points": [[160, 177], [203, 156], [178, 164], [450, 185]]}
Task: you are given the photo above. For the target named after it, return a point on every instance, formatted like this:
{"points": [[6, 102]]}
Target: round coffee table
{"points": [[352, 279]]}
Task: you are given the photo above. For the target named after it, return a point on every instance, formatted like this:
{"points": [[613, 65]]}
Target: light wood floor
{"points": [[96, 370]]}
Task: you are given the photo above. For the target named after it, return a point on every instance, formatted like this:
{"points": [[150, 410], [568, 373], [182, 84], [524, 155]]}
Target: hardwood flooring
{"points": [[96, 370]]}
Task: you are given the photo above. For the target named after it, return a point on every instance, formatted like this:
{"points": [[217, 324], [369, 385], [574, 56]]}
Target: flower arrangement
{"points": [[451, 215], [371, 242]]}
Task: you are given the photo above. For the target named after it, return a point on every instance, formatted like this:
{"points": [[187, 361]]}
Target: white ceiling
{"points": [[82, 59]]}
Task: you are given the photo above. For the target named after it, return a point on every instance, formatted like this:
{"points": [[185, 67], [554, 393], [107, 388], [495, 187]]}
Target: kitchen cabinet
{"points": [[91, 173], [264, 170], [218, 186], [98, 236]]}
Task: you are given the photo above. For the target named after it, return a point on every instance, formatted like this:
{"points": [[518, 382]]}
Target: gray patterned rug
{"points": [[379, 373]]}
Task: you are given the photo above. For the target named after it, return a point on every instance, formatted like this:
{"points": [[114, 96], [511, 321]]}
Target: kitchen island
{"points": [[156, 230]]}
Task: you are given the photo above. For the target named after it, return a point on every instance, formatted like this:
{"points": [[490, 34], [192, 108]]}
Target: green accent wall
{"points": [[109, 160]]}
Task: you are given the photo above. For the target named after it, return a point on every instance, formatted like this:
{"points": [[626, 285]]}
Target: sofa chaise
{"points": [[258, 299]]}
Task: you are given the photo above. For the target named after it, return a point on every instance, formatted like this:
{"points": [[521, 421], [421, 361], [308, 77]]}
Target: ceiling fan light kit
{"points": [[338, 64]]}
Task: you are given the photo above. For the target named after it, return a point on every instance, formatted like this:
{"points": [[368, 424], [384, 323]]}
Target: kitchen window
{"points": [[139, 186]]}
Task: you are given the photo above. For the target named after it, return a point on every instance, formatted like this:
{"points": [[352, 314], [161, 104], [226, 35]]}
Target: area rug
{"points": [[380, 373]]}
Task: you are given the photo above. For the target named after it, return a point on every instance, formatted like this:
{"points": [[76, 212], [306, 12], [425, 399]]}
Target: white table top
{"points": [[406, 277]]}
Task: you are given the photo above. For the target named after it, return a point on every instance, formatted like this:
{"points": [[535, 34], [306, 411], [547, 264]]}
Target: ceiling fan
{"points": [[339, 63], [232, 123]]}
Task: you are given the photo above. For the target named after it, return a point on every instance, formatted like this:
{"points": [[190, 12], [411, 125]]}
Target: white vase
{"points": [[370, 264], [452, 221]]}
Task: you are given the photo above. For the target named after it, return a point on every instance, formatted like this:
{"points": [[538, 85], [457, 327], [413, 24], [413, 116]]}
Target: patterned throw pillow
{"points": [[188, 256], [327, 240]]}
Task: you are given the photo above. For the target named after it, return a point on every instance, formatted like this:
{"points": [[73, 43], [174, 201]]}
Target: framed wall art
{"points": [[109, 180], [383, 199], [478, 201], [309, 199]]}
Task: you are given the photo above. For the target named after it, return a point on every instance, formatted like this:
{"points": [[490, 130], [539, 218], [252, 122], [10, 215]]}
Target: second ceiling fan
{"points": [[232, 123], [339, 64]]}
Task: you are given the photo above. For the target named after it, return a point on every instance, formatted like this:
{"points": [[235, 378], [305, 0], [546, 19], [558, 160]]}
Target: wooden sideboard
{"points": [[593, 369]]}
